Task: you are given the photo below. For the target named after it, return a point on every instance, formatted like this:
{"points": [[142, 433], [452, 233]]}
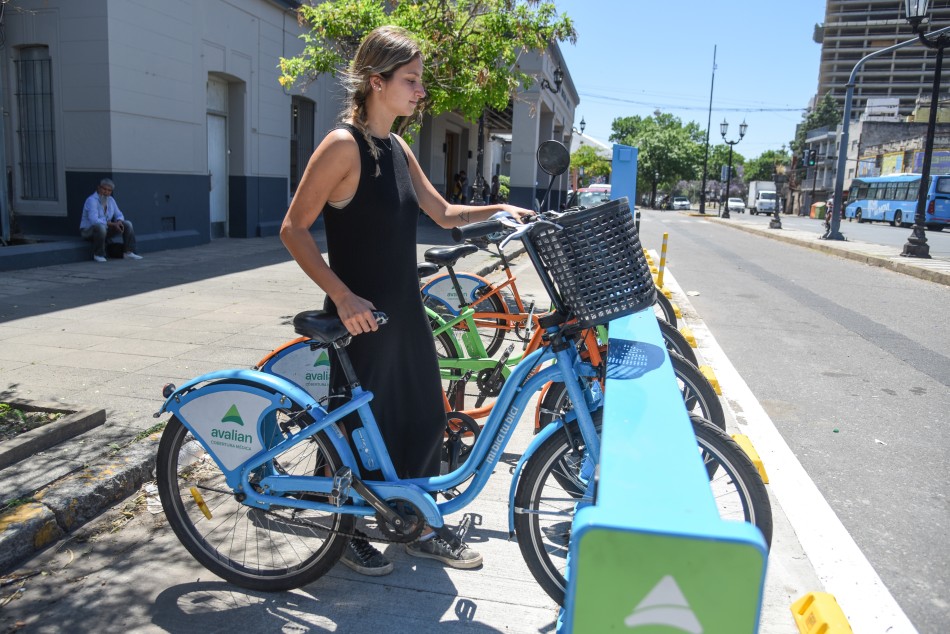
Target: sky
{"points": [[633, 57]]}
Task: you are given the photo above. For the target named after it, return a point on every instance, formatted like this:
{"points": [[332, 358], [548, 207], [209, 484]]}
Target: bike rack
{"points": [[652, 550]]}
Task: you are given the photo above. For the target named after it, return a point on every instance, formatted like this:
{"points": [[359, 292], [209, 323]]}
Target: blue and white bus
{"points": [[893, 199]]}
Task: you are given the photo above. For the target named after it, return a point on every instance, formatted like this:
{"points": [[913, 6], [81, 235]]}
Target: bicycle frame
{"points": [[263, 394]]}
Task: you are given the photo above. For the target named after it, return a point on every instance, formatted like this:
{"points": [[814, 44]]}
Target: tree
{"points": [[762, 167], [668, 150], [594, 165], [825, 114], [471, 47]]}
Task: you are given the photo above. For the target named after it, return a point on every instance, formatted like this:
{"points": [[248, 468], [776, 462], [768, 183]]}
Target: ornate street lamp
{"points": [[583, 125], [916, 245], [781, 180], [723, 129], [558, 78]]}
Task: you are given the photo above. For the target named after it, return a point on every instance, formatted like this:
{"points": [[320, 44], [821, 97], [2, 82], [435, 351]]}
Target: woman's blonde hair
{"points": [[382, 51]]}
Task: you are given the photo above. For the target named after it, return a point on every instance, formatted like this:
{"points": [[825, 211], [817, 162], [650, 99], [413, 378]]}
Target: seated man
{"points": [[102, 219]]}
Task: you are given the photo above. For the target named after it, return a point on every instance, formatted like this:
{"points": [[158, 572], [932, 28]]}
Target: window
{"points": [[301, 138], [34, 95]]}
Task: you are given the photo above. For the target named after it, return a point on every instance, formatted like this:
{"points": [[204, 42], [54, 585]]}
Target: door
{"points": [[218, 174]]}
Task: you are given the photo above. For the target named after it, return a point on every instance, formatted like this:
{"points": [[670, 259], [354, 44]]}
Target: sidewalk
{"points": [[110, 335]]}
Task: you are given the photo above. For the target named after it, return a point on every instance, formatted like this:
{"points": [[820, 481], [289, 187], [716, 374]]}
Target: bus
{"points": [[893, 199]]}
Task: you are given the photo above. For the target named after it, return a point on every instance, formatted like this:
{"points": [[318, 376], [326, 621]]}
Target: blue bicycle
{"points": [[263, 488]]}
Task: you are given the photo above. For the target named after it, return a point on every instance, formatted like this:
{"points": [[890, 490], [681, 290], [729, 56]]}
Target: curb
{"points": [[73, 500], [920, 272], [76, 422]]}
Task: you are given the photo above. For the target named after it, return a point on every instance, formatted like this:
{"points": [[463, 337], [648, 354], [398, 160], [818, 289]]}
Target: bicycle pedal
{"points": [[342, 481]]}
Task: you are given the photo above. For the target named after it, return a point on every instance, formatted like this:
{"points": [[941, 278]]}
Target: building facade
{"points": [[179, 103], [854, 28]]}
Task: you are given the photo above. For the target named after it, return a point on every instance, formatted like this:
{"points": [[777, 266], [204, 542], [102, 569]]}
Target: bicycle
{"points": [[260, 485], [499, 308]]}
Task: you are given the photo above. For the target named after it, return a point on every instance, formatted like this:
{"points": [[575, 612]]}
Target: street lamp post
{"points": [[780, 179], [723, 129], [916, 245]]}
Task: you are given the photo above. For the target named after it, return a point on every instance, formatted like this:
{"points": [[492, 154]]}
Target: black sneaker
{"points": [[437, 548], [363, 557]]}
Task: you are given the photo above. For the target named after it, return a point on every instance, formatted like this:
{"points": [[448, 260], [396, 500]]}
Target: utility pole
{"points": [[702, 190]]}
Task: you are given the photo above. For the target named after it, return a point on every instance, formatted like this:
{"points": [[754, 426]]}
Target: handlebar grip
{"points": [[476, 230]]}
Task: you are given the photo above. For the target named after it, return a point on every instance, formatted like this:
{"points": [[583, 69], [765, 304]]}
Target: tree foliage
{"points": [[762, 168], [825, 114], [666, 147], [594, 165], [470, 47]]}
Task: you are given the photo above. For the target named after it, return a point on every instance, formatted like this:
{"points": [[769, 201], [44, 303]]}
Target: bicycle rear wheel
{"points": [[550, 490], [663, 308], [266, 550]]}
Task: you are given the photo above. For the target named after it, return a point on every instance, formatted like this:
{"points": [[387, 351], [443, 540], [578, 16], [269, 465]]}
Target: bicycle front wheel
{"points": [[548, 495], [266, 550]]}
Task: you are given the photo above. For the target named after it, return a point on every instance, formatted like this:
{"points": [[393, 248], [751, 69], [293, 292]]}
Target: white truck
{"points": [[762, 197]]}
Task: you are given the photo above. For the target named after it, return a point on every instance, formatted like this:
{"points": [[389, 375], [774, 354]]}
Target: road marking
{"points": [[837, 560]]}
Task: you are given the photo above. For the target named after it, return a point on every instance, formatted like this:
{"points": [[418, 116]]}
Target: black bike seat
{"points": [[324, 326], [448, 256], [425, 269]]}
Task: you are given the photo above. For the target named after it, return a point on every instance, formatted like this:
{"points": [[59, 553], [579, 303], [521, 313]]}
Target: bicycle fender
{"points": [[245, 398], [255, 377], [440, 289], [549, 430]]}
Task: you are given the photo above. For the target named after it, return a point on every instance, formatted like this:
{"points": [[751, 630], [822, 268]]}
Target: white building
{"points": [[178, 102]]}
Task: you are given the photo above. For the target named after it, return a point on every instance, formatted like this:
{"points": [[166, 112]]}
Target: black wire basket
{"points": [[596, 263]]}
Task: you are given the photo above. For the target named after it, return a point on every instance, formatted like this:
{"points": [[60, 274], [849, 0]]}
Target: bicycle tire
{"points": [[676, 342], [698, 393], [699, 396], [445, 349], [270, 551], [663, 307], [544, 507]]}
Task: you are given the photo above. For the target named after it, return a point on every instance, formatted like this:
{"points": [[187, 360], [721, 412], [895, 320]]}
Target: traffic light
{"points": [[812, 157]]}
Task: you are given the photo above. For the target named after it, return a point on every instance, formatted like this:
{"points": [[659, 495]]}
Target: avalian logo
{"points": [[666, 606], [233, 416], [323, 359]]}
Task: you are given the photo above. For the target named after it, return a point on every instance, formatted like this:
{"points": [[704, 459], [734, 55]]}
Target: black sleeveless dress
{"points": [[372, 248]]}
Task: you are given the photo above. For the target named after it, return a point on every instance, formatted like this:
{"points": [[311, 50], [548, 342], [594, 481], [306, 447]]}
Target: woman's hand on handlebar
{"points": [[356, 314], [518, 213]]}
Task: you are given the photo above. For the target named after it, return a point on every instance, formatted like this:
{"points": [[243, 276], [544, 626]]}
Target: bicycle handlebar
{"points": [[476, 230]]}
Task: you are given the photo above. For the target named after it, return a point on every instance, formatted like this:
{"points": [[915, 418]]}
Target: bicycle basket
{"points": [[596, 262]]}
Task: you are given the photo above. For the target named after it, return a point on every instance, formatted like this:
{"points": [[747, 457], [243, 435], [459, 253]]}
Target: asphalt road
{"points": [[852, 363]]}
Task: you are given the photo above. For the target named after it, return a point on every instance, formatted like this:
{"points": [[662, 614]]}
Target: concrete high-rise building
{"points": [[855, 28]]}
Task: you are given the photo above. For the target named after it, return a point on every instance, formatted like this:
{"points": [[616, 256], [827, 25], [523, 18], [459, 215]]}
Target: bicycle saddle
{"points": [[425, 269], [326, 327], [448, 256]]}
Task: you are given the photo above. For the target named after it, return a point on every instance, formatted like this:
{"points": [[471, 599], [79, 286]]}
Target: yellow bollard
{"points": [[659, 278]]}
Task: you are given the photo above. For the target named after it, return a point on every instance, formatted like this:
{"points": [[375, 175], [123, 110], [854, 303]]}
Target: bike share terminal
{"points": [[652, 553]]}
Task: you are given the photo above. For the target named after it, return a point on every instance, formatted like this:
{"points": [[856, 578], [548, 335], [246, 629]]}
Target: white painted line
{"points": [[840, 565]]}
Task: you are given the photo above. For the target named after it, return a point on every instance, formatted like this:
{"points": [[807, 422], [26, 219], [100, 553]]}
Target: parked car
{"points": [[589, 196], [680, 202], [735, 204]]}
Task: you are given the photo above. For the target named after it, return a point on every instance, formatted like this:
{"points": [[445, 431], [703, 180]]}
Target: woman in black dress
{"points": [[370, 187]]}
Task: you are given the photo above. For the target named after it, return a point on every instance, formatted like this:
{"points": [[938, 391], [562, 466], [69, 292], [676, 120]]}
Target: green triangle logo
{"points": [[233, 416], [323, 359]]}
